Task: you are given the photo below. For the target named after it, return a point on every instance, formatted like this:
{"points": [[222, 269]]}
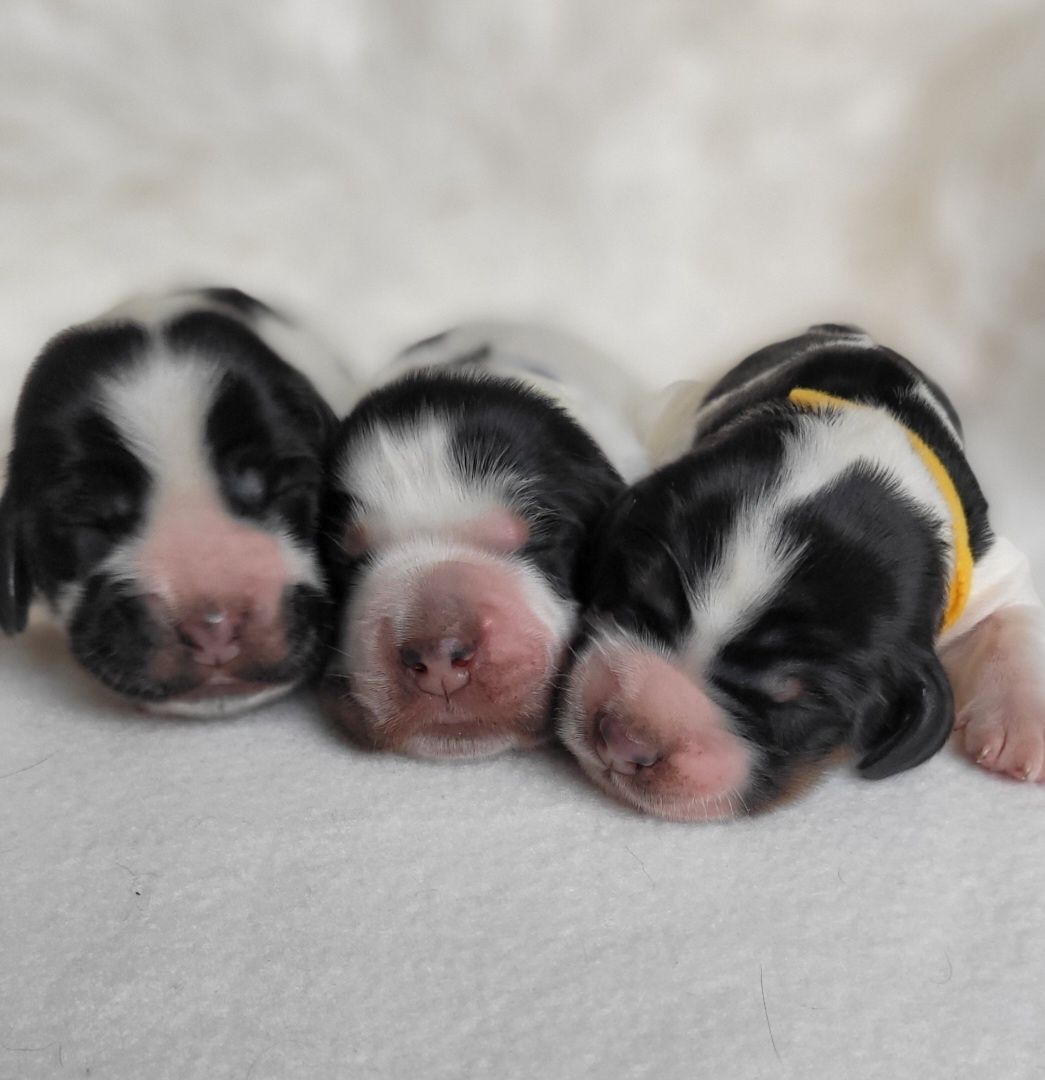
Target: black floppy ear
{"points": [[16, 584], [917, 724]]}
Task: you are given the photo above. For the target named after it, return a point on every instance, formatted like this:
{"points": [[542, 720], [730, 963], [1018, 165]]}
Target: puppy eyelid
{"points": [[785, 689], [248, 484]]}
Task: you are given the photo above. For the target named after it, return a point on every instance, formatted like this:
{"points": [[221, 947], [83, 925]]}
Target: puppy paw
{"points": [[998, 675], [1003, 740]]}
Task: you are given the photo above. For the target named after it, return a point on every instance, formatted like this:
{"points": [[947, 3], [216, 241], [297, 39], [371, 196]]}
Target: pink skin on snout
{"points": [[646, 733], [447, 659], [217, 584]]}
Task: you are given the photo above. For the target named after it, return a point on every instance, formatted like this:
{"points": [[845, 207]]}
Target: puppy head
{"points": [[162, 497], [448, 647], [458, 509], [737, 637]]}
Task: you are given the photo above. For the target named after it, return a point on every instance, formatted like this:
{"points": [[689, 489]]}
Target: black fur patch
{"points": [[236, 299]]}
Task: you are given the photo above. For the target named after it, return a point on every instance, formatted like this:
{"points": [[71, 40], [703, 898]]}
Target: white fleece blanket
{"points": [[256, 899]]}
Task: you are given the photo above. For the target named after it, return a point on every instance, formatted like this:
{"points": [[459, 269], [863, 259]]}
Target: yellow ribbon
{"points": [[961, 576]]}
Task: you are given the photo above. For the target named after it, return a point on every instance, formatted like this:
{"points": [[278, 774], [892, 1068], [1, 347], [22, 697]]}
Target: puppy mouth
{"points": [[466, 741], [119, 639], [221, 685], [218, 699], [443, 731]]}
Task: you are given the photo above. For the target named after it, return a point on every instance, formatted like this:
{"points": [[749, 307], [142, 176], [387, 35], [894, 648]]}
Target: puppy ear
{"points": [[917, 724], [16, 586]]}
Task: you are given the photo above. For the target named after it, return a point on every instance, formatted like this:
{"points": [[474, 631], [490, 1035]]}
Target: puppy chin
{"points": [[133, 645], [722, 807], [435, 747], [464, 738], [223, 700]]}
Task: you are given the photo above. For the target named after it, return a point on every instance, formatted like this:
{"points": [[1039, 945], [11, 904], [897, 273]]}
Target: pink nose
{"points": [[620, 750], [441, 667], [213, 637]]}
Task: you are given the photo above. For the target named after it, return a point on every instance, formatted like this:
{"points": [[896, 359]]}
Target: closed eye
{"points": [[113, 513], [764, 684], [248, 486], [254, 486]]}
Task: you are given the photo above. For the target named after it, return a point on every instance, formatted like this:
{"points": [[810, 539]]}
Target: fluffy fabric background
{"points": [[679, 182]]}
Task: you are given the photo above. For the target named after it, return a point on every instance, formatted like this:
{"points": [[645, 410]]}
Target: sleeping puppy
{"points": [[162, 497], [783, 589], [462, 495]]}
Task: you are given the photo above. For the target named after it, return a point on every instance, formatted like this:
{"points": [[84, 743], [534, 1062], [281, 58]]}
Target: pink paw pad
{"points": [[997, 671]]}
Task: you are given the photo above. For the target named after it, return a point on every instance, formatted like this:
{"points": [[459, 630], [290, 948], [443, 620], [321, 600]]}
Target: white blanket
{"points": [[679, 182]]}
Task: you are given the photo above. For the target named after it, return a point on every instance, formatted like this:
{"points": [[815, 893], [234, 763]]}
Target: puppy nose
{"points": [[440, 667], [213, 636], [619, 749]]}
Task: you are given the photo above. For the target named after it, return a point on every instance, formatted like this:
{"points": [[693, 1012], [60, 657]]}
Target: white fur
{"points": [[1001, 578], [624, 653], [387, 591], [299, 345], [234, 705], [816, 342], [153, 309], [412, 558], [159, 407], [311, 355], [756, 559], [406, 481], [923, 392], [593, 388], [440, 747], [668, 419], [608, 641], [758, 553]]}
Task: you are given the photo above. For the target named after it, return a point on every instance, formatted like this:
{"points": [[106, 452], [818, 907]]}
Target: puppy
{"points": [[462, 495], [162, 497], [784, 588]]}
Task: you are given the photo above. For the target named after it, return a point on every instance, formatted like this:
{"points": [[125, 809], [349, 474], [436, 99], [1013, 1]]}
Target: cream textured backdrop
{"points": [[679, 181]]}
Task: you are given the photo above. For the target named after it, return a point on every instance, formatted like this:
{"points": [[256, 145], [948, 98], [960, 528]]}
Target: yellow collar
{"points": [[961, 575]]}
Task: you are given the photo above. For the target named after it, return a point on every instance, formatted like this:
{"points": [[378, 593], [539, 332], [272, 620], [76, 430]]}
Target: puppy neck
{"points": [[961, 574]]}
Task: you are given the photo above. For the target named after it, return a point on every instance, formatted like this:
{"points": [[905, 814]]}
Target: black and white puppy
{"points": [[162, 496], [784, 588], [464, 489]]}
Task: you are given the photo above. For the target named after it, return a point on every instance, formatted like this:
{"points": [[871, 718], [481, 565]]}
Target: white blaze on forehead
{"points": [[190, 546], [406, 480], [755, 560], [160, 409], [288, 339], [758, 554]]}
